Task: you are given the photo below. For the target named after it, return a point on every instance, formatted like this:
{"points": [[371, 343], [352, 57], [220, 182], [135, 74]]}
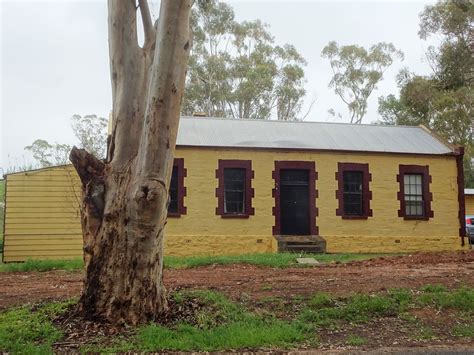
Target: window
{"points": [[413, 186], [173, 206], [353, 192], [177, 190], [414, 195], [353, 199], [234, 192]]}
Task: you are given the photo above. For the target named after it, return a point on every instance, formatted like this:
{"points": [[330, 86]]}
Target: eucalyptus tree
{"points": [[48, 154], [357, 71], [91, 132], [236, 70], [125, 197], [444, 100]]}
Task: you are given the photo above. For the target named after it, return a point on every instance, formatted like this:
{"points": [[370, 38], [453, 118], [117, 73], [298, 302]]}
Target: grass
{"points": [[278, 260], [218, 324], [440, 297], [464, 330], [323, 311], [30, 330], [355, 340], [425, 333], [247, 333], [43, 265]]}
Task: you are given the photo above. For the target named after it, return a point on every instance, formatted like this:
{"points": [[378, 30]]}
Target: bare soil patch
{"points": [[452, 269]]}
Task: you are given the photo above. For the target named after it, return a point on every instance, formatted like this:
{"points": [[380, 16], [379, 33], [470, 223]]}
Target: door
{"points": [[294, 202]]}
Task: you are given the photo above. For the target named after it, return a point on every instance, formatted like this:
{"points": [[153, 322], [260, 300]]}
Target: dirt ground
{"points": [[452, 269]]}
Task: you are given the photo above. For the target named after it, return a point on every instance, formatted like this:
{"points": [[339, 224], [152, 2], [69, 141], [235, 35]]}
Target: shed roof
{"points": [[243, 133]]}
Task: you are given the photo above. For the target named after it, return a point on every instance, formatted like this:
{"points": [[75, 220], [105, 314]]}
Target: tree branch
{"points": [[88, 167], [309, 109], [123, 41], [165, 91], [148, 27]]}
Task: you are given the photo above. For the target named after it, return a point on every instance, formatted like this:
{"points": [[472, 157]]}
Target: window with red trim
{"points": [[234, 192], [353, 191], [414, 195], [177, 190]]}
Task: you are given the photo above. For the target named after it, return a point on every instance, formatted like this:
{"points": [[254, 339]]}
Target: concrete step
{"points": [[301, 243]]}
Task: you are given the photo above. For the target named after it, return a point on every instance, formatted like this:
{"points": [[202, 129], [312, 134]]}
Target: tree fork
{"points": [[125, 199]]}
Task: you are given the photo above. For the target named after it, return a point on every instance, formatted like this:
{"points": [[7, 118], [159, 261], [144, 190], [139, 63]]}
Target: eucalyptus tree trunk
{"points": [[125, 198]]}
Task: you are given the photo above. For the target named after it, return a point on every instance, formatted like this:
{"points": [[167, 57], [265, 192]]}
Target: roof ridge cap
{"points": [[295, 121]]}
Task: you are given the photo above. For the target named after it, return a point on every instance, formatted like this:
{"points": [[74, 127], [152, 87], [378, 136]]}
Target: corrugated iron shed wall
{"points": [[42, 214]]}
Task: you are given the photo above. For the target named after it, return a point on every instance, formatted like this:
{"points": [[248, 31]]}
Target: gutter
{"points": [[459, 153]]}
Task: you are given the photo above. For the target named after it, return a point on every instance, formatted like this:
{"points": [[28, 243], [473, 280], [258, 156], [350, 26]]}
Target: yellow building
{"points": [[469, 198], [242, 186]]}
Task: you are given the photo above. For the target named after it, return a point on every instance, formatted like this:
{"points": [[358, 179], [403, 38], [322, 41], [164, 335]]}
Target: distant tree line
{"points": [[90, 131], [236, 70]]}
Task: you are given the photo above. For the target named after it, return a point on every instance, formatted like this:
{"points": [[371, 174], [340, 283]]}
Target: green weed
{"points": [[43, 265], [464, 330], [425, 333], [250, 333], [433, 288], [322, 311], [279, 260], [320, 300], [438, 296], [220, 324], [30, 330], [355, 340]]}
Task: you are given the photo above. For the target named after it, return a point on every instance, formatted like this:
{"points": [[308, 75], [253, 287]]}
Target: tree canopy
{"points": [[444, 100], [91, 132], [47, 154], [236, 70], [357, 71]]}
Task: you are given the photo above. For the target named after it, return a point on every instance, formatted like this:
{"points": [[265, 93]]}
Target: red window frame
{"points": [[366, 193], [427, 195], [182, 173], [249, 191]]}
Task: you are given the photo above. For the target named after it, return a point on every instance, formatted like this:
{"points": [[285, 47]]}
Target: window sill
{"points": [[409, 218], [354, 217], [174, 215], [229, 215]]}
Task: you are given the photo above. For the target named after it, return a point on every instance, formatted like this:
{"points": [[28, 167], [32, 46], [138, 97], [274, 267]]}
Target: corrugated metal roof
{"points": [[220, 132]]}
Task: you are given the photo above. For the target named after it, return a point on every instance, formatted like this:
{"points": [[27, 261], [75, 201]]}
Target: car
{"points": [[470, 228]]}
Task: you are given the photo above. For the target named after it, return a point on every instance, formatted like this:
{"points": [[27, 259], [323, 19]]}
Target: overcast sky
{"points": [[54, 58]]}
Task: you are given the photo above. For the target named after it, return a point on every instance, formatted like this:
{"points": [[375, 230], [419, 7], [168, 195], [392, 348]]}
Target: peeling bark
{"points": [[125, 198]]}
